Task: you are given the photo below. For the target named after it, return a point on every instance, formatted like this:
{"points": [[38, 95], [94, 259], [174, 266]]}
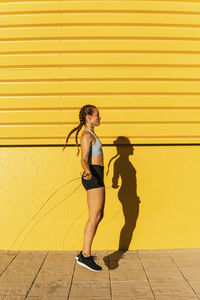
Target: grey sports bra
{"points": [[97, 147]]}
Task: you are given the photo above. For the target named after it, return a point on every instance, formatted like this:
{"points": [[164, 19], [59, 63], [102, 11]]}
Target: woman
{"points": [[92, 180]]}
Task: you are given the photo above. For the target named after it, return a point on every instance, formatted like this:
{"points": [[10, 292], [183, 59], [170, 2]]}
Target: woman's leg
{"points": [[96, 202]]}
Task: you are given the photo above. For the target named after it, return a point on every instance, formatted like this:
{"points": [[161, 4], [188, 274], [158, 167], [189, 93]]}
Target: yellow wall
{"points": [[138, 62]]}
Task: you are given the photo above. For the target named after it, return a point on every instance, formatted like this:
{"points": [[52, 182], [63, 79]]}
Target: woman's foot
{"points": [[88, 263], [81, 253]]}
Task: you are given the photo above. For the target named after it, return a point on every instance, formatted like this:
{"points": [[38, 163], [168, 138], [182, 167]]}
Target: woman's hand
{"points": [[87, 175]]}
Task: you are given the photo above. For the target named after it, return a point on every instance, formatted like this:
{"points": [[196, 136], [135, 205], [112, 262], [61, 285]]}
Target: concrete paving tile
{"points": [[127, 255], [171, 287], [195, 285], [8, 251], [88, 298], [165, 274], [90, 288], [125, 265], [128, 274], [156, 251], [3, 267], [122, 251], [9, 255], [51, 288], [66, 267], [188, 263], [135, 288], [14, 288], [4, 297], [56, 283], [176, 297], [54, 274], [30, 255], [5, 258], [185, 255], [187, 250], [63, 252], [59, 257], [133, 297], [26, 264], [13, 274], [153, 255], [32, 251], [191, 273], [158, 263], [58, 264], [46, 297], [84, 274], [59, 260]]}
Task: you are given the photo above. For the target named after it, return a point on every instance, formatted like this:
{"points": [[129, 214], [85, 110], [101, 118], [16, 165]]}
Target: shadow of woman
{"points": [[127, 195]]}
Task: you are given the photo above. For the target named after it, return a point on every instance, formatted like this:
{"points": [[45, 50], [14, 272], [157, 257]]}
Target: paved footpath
{"points": [[126, 275]]}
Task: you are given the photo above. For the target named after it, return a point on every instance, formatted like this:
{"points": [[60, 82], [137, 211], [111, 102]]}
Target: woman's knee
{"points": [[100, 216], [97, 218]]}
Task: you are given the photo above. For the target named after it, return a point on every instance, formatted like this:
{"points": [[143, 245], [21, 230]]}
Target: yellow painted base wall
{"points": [[165, 179]]}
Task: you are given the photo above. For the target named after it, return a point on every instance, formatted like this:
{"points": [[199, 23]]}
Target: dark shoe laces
{"points": [[93, 256]]}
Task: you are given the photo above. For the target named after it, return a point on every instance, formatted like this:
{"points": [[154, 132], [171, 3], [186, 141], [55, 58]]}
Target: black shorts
{"points": [[97, 179]]}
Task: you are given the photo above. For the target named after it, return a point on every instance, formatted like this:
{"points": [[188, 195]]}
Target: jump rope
{"points": [[19, 234], [45, 213]]}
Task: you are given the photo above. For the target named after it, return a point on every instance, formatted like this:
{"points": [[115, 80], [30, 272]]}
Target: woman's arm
{"points": [[86, 141]]}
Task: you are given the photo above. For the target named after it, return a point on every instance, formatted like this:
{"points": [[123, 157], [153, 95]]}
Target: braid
{"points": [[86, 109]]}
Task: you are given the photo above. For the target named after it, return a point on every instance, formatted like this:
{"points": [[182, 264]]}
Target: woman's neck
{"points": [[90, 128]]}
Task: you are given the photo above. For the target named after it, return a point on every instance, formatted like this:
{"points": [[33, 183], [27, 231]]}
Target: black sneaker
{"points": [[88, 263], [81, 253]]}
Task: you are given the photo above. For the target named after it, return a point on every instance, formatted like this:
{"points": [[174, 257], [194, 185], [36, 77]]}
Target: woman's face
{"points": [[95, 118]]}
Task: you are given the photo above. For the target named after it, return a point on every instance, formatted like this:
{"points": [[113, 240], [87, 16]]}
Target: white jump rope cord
{"points": [[40, 210]]}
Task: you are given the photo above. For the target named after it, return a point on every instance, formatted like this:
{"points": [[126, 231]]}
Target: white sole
{"points": [[83, 265]]}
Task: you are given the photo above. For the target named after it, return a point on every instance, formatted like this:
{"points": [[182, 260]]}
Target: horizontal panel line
{"points": [[77, 38], [32, 109], [99, 93], [101, 66], [17, 1], [101, 51], [101, 137], [100, 11], [24, 124], [106, 145], [144, 108], [34, 80], [100, 24]]}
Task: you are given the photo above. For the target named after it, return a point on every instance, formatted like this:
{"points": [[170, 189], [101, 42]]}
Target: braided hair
{"points": [[86, 109]]}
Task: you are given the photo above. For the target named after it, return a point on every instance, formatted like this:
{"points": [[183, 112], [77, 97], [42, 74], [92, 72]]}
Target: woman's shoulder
{"points": [[86, 133]]}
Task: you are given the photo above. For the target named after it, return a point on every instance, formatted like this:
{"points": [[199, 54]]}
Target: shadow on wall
{"points": [[127, 195]]}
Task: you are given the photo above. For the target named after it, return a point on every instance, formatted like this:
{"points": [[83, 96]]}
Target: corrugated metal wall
{"points": [[138, 61]]}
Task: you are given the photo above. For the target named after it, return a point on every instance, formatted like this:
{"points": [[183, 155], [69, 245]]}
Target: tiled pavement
{"points": [[126, 275]]}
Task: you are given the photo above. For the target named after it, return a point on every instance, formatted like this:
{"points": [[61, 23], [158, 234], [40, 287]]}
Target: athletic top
{"points": [[97, 147]]}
